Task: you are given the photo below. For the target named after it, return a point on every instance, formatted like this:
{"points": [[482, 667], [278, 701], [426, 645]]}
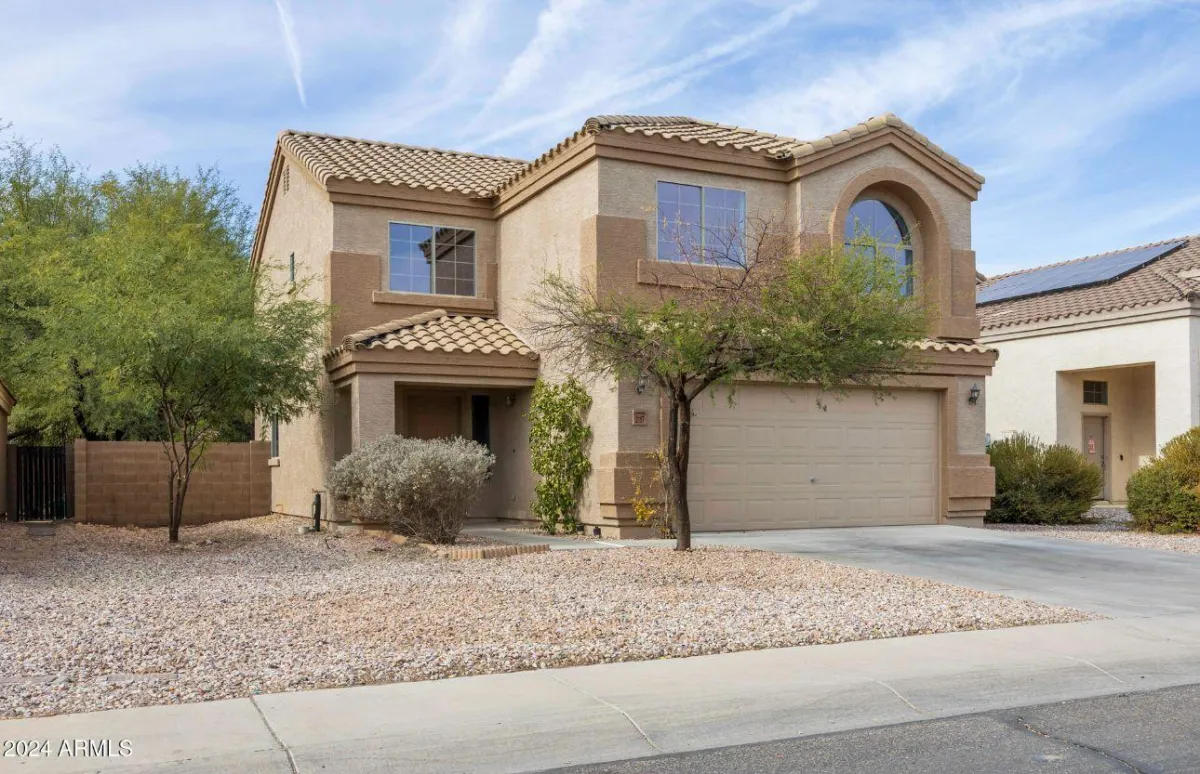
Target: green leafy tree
{"points": [[140, 317], [558, 447], [760, 306], [47, 206], [175, 326]]}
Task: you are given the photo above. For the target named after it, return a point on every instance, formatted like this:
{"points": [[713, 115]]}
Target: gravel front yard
{"points": [[1115, 533], [96, 618]]}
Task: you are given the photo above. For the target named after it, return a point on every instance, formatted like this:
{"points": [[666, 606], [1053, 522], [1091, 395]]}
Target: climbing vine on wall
{"points": [[558, 441]]}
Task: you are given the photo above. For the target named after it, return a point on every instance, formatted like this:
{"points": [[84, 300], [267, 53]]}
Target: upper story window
{"points": [[431, 259], [1095, 393], [699, 223], [872, 224]]}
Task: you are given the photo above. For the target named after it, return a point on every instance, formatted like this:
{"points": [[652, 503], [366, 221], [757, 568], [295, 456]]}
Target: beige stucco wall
{"points": [[818, 193], [630, 190], [300, 223], [546, 234], [938, 215], [359, 266], [1036, 386]]}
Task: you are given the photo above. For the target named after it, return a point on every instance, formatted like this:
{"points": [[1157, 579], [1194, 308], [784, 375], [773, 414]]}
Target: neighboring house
{"points": [[7, 401], [428, 257], [1099, 353]]}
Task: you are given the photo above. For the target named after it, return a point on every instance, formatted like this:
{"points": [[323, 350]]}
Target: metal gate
{"points": [[41, 490]]}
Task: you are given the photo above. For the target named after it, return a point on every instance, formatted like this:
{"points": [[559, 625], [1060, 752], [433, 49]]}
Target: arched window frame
{"points": [[908, 246]]}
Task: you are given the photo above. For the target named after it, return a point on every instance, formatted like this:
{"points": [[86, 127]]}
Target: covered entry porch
{"points": [[1109, 415], [437, 375]]}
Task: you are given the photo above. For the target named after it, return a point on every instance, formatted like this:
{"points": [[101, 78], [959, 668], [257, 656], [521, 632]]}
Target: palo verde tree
{"points": [[748, 304], [162, 307], [47, 206]]}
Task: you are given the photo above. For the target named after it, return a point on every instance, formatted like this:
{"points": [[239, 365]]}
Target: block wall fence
{"points": [[124, 483]]}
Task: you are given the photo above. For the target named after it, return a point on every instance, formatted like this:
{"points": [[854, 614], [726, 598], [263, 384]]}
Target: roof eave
{"points": [[264, 213]]}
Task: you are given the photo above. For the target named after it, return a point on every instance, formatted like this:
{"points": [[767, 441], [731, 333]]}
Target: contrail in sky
{"points": [[289, 39]]}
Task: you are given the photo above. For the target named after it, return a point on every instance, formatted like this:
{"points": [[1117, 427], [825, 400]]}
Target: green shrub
{"points": [[1040, 484], [423, 489], [1164, 495], [559, 436]]}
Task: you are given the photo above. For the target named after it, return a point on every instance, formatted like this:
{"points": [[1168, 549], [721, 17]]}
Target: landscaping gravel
{"points": [[1114, 532], [96, 617]]}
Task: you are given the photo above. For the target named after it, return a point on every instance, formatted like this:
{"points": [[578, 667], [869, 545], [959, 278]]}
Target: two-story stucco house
{"points": [[429, 257]]}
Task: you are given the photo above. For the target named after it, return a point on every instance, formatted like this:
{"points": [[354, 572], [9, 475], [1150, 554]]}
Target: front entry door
{"points": [[433, 415], [1094, 448]]}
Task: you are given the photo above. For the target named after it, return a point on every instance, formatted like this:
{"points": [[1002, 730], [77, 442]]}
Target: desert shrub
{"points": [[649, 501], [1040, 484], [423, 489], [1164, 495]]}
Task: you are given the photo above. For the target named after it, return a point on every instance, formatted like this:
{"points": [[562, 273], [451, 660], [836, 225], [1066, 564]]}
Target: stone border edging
{"points": [[484, 552]]}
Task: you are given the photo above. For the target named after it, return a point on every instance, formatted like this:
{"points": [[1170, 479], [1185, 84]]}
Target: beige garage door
{"points": [[774, 460]]}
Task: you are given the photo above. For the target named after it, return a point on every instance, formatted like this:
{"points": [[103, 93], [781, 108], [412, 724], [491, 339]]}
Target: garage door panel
{"points": [[860, 473], [862, 438], [922, 474], [727, 474], [829, 474], [753, 463], [920, 506], [828, 438], [762, 474]]}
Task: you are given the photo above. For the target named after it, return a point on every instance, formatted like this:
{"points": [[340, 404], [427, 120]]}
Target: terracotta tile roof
{"points": [[329, 157], [693, 130], [937, 345], [1156, 282], [440, 331]]}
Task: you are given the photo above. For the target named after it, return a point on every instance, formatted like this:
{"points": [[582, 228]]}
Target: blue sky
{"points": [[1084, 115]]}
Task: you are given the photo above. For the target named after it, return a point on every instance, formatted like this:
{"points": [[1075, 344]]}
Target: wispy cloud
{"points": [[1079, 112], [283, 7], [640, 86], [555, 24], [944, 61]]}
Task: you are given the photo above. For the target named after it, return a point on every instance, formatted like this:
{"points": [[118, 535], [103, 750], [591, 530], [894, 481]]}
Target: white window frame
{"points": [[703, 231], [387, 259]]}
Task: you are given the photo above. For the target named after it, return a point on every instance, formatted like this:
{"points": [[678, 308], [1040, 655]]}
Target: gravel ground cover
{"points": [[1114, 532], [96, 618]]}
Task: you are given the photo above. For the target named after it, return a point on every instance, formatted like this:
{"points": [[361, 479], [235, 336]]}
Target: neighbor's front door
{"points": [[1093, 446]]}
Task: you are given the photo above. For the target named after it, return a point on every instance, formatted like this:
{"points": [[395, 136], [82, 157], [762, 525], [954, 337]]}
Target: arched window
{"points": [[872, 224]]}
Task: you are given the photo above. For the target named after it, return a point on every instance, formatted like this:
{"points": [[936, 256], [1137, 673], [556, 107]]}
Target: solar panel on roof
{"points": [[1090, 271]]}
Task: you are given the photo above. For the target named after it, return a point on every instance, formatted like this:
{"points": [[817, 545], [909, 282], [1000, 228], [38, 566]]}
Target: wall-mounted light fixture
{"points": [[510, 399], [973, 396], [640, 387]]}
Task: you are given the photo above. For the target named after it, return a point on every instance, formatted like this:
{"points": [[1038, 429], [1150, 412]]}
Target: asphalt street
{"points": [[1156, 731]]}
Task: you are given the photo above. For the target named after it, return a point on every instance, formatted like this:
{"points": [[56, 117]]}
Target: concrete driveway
{"points": [[1111, 580]]}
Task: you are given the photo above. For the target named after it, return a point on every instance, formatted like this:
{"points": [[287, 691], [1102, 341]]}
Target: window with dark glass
{"points": [[873, 225], [1095, 393], [699, 223], [431, 259], [274, 437]]}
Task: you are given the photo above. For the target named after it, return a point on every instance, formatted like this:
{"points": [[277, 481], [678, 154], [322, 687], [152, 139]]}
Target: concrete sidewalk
{"points": [[532, 721]]}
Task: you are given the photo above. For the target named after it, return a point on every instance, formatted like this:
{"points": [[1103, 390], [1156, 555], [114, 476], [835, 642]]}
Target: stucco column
{"points": [[373, 408], [1175, 397]]}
